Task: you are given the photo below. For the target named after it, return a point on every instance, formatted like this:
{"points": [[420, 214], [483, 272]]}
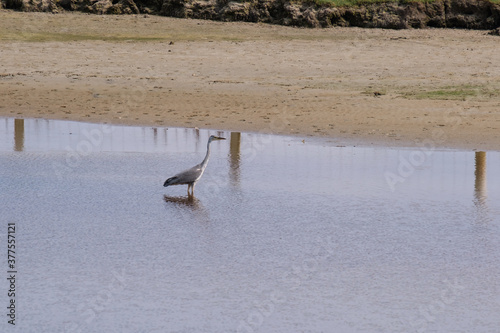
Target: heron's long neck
{"points": [[205, 161]]}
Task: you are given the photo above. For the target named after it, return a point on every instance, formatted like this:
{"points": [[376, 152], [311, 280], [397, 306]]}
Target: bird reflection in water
{"points": [[188, 201], [189, 207]]}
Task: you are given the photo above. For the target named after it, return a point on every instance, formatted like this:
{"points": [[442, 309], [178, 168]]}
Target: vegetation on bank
{"points": [[389, 14], [353, 3], [72, 4]]}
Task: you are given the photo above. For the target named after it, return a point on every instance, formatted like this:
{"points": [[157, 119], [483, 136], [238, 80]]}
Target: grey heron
{"points": [[189, 177]]}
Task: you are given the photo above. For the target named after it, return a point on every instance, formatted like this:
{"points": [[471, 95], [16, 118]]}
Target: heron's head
{"points": [[213, 138]]}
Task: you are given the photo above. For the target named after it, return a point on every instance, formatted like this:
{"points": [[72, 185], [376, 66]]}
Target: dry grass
{"points": [[459, 92]]}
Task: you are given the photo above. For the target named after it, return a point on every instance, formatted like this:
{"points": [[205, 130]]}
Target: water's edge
{"points": [[362, 142]]}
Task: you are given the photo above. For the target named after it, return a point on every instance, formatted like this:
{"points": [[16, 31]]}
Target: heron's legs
{"points": [[191, 186]]}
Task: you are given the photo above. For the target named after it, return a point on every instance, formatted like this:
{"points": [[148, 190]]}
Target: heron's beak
{"points": [[219, 138]]}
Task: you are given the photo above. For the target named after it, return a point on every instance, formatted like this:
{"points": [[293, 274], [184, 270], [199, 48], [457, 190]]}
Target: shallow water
{"points": [[283, 235]]}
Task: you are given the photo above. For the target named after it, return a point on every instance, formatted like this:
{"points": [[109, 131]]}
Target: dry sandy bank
{"points": [[358, 86]]}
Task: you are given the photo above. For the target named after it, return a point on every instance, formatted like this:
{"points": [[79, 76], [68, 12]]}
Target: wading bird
{"points": [[189, 177]]}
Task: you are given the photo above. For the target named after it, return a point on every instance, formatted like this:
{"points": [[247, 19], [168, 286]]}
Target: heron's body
{"points": [[189, 177]]}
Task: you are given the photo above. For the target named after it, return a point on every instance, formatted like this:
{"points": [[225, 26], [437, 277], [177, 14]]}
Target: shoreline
{"points": [[438, 143], [357, 86], [424, 146]]}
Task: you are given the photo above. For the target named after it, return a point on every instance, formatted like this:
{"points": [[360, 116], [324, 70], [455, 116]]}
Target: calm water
{"points": [[283, 235]]}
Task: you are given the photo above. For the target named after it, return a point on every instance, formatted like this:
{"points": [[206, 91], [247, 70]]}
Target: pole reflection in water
{"points": [[480, 191], [155, 135], [234, 157], [18, 134]]}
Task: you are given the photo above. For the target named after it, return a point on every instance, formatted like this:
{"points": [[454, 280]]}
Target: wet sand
{"points": [[438, 88]]}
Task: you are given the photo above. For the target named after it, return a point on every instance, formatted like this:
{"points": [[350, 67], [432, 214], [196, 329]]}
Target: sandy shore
{"points": [[360, 87]]}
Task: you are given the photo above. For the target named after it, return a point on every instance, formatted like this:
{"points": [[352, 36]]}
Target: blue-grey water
{"points": [[284, 234]]}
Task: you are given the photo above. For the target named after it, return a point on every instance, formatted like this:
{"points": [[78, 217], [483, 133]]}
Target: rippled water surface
{"points": [[282, 235]]}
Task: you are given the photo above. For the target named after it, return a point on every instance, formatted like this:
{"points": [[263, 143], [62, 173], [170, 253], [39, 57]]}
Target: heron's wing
{"points": [[185, 177]]}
